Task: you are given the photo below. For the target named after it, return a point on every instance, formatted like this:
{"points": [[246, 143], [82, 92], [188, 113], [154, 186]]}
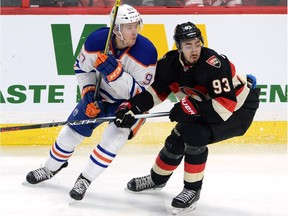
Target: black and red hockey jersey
{"points": [[212, 81]]}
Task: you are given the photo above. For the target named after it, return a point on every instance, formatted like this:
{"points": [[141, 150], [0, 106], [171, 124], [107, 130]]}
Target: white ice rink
{"points": [[240, 180]]}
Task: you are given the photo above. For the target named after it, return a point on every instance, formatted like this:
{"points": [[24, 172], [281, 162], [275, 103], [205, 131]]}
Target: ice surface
{"points": [[240, 180]]}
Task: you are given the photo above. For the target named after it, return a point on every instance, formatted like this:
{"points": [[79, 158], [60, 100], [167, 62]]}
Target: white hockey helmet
{"points": [[126, 14]]}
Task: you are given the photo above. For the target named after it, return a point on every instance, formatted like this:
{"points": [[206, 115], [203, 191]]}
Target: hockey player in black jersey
{"points": [[215, 104]]}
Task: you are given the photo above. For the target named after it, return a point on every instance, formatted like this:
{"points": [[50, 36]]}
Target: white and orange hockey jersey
{"points": [[138, 61]]}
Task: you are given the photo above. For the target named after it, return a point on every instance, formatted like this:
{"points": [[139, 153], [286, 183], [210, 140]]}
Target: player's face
{"points": [[191, 50], [130, 32]]}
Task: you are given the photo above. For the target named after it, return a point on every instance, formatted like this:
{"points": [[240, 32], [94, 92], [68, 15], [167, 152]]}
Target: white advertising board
{"points": [[34, 90]]}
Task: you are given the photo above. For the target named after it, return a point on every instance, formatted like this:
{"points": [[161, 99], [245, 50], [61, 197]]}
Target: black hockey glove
{"points": [[124, 115], [184, 111]]}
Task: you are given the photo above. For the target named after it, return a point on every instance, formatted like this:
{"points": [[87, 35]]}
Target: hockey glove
{"points": [[184, 111], [108, 66], [91, 110], [124, 115]]}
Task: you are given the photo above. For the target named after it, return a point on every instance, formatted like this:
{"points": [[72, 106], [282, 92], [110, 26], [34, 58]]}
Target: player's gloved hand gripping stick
{"points": [[78, 122], [184, 111], [109, 67], [88, 99]]}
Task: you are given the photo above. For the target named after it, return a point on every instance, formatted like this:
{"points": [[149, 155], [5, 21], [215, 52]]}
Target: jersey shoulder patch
{"points": [[212, 57], [214, 61]]}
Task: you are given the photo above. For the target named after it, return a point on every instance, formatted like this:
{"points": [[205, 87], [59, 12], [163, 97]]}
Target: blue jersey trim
{"points": [[144, 51], [100, 35]]}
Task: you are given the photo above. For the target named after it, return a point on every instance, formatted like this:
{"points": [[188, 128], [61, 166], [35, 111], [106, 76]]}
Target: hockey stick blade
{"points": [[78, 122]]}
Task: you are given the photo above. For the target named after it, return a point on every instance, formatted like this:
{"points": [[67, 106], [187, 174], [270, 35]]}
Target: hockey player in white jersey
{"points": [[127, 70]]}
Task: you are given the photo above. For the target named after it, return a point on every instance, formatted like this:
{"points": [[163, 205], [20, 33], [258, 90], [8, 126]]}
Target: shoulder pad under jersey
{"points": [[144, 51], [96, 40]]}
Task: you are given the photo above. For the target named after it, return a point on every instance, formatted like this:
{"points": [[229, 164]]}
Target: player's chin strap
{"points": [[79, 122], [120, 36]]}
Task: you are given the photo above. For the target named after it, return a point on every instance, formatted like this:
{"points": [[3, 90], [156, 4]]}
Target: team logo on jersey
{"points": [[75, 112], [214, 61]]}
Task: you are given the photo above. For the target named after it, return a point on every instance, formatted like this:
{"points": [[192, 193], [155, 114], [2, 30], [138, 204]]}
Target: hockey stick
{"points": [[78, 122], [108, 41]]}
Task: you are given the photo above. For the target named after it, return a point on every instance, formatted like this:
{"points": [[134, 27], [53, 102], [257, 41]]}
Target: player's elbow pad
{"points": [[143, 101]]}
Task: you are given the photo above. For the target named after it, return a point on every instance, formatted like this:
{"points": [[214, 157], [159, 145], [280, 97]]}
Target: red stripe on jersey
{"points": [[194, 168], [233, 69], [228, 104], [174, 87], [161, 96], [202, 89], [239, 91], [163, 165]]}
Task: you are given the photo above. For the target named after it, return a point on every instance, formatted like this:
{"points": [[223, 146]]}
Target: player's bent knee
{"points": [[114, 138], [195, 150], [69, 138], [174, 145]]}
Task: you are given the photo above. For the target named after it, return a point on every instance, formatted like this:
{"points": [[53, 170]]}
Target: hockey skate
{"points": [[42, 174], [143, 183], [80, 187], [185, 201]]}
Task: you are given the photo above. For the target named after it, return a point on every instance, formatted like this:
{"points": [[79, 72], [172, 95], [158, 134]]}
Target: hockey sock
{"points": [[99, 160], [63, 148], [194, 167]]}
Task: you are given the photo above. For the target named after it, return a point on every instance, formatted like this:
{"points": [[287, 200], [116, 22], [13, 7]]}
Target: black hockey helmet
{"points": [[186, 31]]}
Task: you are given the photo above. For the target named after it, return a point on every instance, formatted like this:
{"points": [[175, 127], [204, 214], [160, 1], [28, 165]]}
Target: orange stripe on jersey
{"points": [[58, 154], [228, 104], [90, 52], [163, 165], [125, 52], [138, 91], [137, 127], [140, 63], [193, 168], [101, 157]]}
